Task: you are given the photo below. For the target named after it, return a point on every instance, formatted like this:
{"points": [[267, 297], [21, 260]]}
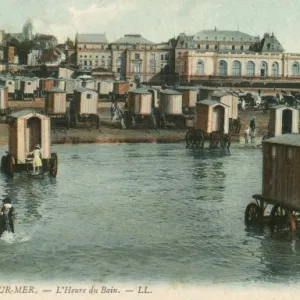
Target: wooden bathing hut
{"points": [[280, 186], [105, 88], [211, 123], [36, 81], [17, 80], [205, 92], [120, 89], [60, 83], [4, 109], [140, 108], [27, 89], [84, 108], [46, 84], [283, 119], [170, 108], [231, 101], [56, 107], [89, 84], [70, 86], [10, 84], [27, 129]]}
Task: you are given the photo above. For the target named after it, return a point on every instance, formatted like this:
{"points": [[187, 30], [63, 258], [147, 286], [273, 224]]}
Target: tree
{"points": [[69, 43], [22, 49]]}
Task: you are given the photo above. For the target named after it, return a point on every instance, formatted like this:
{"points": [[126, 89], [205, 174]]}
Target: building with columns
{"points": [[233, 54], [209, 54]]}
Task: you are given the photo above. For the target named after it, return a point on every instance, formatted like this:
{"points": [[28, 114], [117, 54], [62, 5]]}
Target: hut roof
{"points": [[220, 93], [56, 90], [170, 92], [282, 107], [140, 91], [22, 113], [189, 88], [292, 139], [211, 102], [82, 90]]}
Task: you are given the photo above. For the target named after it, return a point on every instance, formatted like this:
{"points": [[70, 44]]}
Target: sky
{"points": [[156, 20]]}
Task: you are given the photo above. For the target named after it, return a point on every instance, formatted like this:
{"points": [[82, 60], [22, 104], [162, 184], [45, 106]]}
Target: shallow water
{"points": [[143, 212]]}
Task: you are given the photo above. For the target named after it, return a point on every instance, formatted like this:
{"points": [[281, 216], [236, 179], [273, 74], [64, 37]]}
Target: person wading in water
{"points": [[7, 214]]}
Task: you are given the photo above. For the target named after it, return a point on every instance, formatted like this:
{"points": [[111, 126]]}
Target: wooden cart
{"points": [[232, 102], [84, 108], [170, 108], [140, 109], [280, 185], [56, 108], [212, 124], [10, 84], [27, 129]]}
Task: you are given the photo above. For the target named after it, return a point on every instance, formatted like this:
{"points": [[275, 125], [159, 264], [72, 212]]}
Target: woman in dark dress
{"points": [[7, 215]]}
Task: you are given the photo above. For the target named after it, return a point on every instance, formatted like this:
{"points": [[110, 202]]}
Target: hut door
{"points": [[218, 118], [34, 127], [287, 119]]}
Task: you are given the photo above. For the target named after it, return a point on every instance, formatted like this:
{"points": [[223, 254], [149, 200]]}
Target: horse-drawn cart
{"points": [[212, 124], [280, 185], [27, 129]]}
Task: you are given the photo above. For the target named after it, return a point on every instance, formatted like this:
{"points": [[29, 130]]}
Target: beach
{"points": [[112, 133]]}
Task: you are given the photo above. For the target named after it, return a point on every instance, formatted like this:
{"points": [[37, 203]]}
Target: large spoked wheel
{"points": [[53, 166], [282, 219], [253, 214]]}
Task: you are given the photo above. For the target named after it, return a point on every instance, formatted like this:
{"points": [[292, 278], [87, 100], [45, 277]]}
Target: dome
{"points": [[223, 35]]}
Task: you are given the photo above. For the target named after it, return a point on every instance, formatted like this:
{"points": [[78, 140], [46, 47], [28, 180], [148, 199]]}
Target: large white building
{"points": [[208, 53]]}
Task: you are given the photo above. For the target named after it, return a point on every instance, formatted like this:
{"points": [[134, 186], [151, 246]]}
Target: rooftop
{"points": [[228, 35], [285, 139], [132, 39], [92, 38]]}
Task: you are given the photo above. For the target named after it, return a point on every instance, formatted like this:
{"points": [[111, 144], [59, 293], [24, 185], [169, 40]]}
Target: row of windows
{"points": [[224, 38], [90, 56], [233, 47], [237, 68]]}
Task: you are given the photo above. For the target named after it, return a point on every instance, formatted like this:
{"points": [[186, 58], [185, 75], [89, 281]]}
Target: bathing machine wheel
{"points": [[283, 219]]}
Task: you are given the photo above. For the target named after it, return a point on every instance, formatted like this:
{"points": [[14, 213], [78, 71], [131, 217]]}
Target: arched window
{"points": [[250, 70], [200, 67], [236, 68], [275, 69], [222, 68], [263, 69], [295, 69], [216, 47], [233, 47]]}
